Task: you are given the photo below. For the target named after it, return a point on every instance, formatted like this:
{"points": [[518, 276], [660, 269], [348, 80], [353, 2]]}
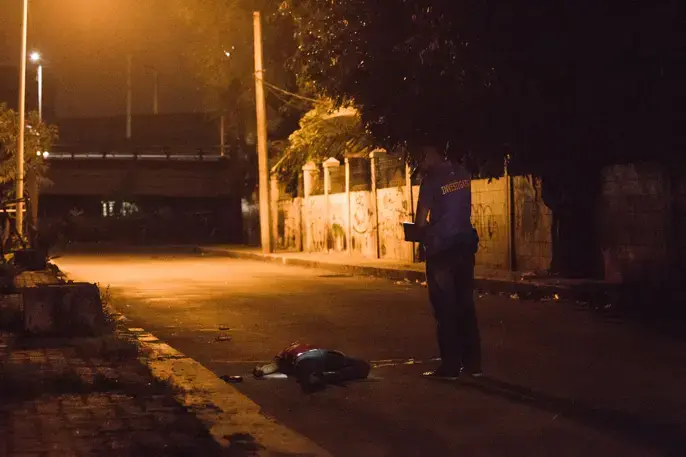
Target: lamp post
{"points": [[262, 153], [129, 95], [36, 59], [19, 181], [155, 89]]}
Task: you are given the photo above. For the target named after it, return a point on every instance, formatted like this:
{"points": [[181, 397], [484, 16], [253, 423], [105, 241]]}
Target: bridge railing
{"points": [[181, 153]]}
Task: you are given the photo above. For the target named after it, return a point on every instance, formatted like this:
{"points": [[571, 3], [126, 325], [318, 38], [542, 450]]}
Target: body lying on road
{"points": [[315, 367]]}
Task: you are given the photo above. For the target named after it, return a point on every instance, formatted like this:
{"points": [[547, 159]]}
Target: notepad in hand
{"points": [[412, 232]]}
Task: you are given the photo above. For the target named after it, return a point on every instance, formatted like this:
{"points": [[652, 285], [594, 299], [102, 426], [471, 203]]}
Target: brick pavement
{"points": [[89, 397]]}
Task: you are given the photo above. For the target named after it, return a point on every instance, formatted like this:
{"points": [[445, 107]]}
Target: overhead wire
{"points": [[292, 94], [286, 102]]}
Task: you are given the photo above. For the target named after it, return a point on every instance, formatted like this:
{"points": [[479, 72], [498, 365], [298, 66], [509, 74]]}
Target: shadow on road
{"points": [[667, 437]]}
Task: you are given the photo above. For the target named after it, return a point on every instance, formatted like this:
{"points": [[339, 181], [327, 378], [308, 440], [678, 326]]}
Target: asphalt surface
{"points": [[559, 381]]}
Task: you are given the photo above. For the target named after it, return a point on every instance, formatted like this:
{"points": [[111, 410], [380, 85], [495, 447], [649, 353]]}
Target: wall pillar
{"points": [[309, 171], [374, 160], [349, 224], [328, 165], [299, 223]]}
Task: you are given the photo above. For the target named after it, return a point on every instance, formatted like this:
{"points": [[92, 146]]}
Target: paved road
{"points": [[559, 380]]}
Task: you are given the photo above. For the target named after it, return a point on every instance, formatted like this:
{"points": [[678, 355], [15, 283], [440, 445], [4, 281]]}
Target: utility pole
{"points": [[156, 93], [40, 92], [265, 226], [222, 145], [22, 124], [129, 95]]}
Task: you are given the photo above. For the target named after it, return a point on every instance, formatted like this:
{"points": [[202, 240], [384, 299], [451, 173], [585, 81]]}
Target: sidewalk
{"points": [[89, 397], [491, 281], [85, 396]]}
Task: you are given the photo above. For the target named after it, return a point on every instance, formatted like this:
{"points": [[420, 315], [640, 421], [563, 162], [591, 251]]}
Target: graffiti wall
{"points": [[393, 211], [489, 217], [362, 224], [533, 225], [338, 223], [315, 226], [289, 224], [323, 225]]}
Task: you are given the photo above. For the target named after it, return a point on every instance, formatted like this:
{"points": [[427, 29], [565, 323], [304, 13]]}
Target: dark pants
{"points": [[450, 278], [332, 366]]}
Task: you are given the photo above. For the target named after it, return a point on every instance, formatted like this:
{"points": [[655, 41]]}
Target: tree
{"points": [[220, 49], [563, 88], [417, 68], [38, 138], [327, 130], [542, 81]]}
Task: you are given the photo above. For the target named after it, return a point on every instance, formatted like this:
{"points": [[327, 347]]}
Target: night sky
{"points": [[85, 44]]}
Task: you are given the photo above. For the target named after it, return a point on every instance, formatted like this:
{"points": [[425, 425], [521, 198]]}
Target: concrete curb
{"points": [[586, 292], [234, 421]]}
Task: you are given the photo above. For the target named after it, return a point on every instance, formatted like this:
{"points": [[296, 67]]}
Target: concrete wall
{"points": [[641, 222], [316, 228], [337, 222], [289, 224], [394, 209], [324, 223], [634, 217], [363, 223], [489, 217], [533, 225]]}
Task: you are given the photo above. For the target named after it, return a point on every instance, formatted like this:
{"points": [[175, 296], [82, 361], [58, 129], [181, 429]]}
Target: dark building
{"points": [[9, 90], [106, 134]]}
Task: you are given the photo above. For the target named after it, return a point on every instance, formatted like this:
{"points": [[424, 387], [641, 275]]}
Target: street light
{"points": [[19, 181], [35, 57], [155, 90]]}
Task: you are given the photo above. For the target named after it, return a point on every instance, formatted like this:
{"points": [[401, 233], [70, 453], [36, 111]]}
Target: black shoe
{"points": [[442, 373]]}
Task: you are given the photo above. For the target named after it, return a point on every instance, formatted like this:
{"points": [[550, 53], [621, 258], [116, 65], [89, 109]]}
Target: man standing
{"points": [[450, 244]]}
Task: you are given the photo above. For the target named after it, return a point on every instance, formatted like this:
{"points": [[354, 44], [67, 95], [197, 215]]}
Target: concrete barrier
{"points": [[66, 310]]}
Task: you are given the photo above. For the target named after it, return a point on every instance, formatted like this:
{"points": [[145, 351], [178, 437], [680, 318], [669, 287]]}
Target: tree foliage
{"points": [[328, 130], [38, 138], [220, 48], [547, 82]]}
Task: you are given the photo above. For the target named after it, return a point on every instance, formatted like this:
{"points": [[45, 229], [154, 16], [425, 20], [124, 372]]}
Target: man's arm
{"points": [[421, 219], [423, 205]]}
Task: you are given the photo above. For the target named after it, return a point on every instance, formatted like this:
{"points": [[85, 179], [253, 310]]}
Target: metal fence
{"points": [[360, 174], [390, 172], [318, 183], [337, 180]]}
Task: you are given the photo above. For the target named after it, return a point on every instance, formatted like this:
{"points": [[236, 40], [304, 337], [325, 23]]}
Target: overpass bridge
{"points": [[163, 172], [183, 192]]}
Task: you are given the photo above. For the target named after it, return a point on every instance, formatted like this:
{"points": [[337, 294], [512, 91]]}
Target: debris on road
{"points": [[514, 296], [223, 338], [275, 376], [313, 367], [556, 297], [231, 379], [423, 284], [223, 328]]}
